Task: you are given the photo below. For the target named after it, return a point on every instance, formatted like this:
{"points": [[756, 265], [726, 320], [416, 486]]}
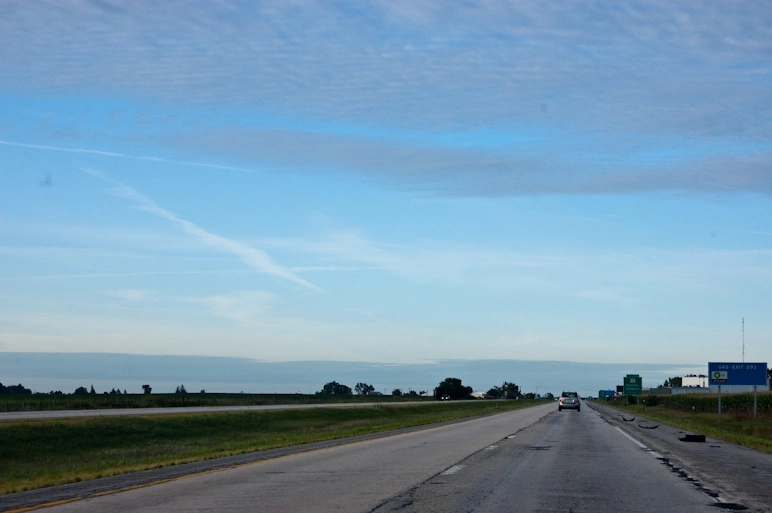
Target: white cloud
{"points": [[600, 93], [255, 258], [248, 306], [123, 156], [639, 64], [604, 295], [132, 295]]}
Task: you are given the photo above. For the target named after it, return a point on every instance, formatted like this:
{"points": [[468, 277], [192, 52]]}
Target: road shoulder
{"points": [[737, 474]]}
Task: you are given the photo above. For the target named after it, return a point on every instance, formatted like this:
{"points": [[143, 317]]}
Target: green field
{"points": [[698, 413], [52, 402], [35, 454]]}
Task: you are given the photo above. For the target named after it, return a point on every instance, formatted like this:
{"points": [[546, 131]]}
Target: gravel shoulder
{"points": [[739, 474]]}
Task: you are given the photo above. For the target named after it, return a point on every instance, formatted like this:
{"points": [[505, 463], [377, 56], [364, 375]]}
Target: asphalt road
{"points": [[536, 459]]}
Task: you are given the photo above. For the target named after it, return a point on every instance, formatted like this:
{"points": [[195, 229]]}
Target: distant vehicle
{"points": [[445, 398], [569, 400]]}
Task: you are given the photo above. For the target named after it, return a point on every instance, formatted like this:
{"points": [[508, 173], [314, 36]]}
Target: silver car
{"points": [[569, 400]]}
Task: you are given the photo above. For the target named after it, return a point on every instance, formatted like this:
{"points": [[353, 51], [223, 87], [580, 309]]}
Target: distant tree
{"points": [[397, 392], [363, 389], [92, 391], [549, 395], [494, 392], [769, 377], [181, 390], [674, 382], [15, 390], [124, 391], [203, 391], [146, 389], [412, 393], [334, 388], [510, 390], [529, 395], [454, 388], [506, 391], [81, 391], [112, 392]]}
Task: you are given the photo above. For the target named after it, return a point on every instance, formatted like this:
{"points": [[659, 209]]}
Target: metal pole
{"points": [[719, 404], [754, 400]]}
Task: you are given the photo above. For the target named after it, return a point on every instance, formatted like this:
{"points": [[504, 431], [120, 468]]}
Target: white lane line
{"points": [[452, 470], [639, 444], [491, 447], [633, 440], [658, 456]]}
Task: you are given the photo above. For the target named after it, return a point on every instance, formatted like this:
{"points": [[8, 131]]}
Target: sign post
{"points": [[737, 373], [754, 401]]}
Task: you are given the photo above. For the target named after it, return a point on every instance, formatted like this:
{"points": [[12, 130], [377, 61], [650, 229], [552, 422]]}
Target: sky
{"points": [[394, 182], [48, 372]]}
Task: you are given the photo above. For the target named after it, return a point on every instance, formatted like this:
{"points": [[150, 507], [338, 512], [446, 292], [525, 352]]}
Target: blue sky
{"points": [[387, 181]]}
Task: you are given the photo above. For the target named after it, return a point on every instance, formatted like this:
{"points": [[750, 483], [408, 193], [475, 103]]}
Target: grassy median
{"points": [[41, 453], [738, 427]]}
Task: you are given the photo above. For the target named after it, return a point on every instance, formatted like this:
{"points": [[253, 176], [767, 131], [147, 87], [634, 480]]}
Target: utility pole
{"points": [[743, 339]]}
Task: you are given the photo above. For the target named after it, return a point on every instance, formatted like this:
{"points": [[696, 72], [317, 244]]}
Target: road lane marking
{"points": [[639, 444], [124, 489], [491, 447], [55, 503], [452, 470], [716, 498]]}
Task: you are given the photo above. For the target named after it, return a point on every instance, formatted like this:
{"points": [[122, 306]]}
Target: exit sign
{"points": [[633, 384], [737, 373]]}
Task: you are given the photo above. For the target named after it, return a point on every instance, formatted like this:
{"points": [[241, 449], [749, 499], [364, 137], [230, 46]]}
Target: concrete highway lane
{"points": [[348, 478], [568, 462], [537, 459]]}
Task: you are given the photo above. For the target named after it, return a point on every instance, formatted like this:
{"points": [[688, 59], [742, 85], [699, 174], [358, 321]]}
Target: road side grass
{"points": [[736, 427], [41, 453], [52, 402]]}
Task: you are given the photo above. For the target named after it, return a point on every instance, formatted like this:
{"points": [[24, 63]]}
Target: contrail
{"points": [[253, 257], [124, 156]]}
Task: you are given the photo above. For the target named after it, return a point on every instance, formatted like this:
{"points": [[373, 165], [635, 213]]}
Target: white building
{"points": [[695, 381]]}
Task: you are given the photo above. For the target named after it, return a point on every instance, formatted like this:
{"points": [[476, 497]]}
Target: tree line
{"points": [[22, 390], [14, 390], [451, 388]]}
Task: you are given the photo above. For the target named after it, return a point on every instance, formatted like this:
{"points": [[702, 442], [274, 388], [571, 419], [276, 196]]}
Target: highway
{"points": [[537, 459]]}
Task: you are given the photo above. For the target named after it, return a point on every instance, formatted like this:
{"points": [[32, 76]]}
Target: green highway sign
{"points": [[633, 384]]}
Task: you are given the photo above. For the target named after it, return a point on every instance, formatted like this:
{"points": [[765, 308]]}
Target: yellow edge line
{"points": [[125, 489], [55, 503]]}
